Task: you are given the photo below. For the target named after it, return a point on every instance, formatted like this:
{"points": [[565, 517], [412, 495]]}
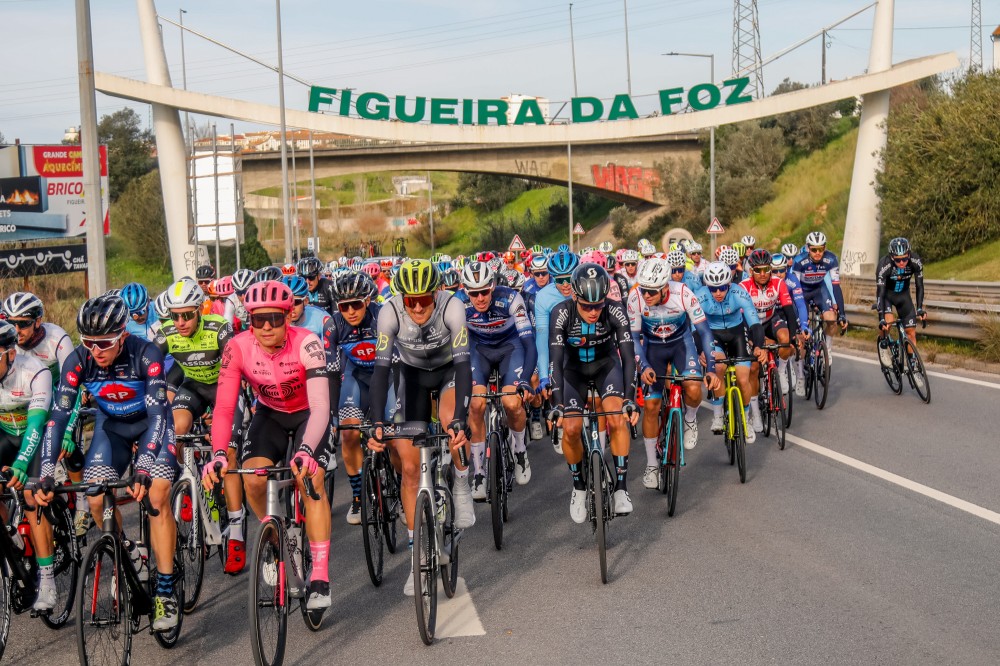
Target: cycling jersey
{"points": [[503, 336], [352, 362], [669, 323], [51, 345], [314, 320], [200, 355], [234, 312], [768, 297], [148, 329], [25, 398], [893, 279], [545, 300], [322, 296], [735, 311], [293, 379], [812, 274], [531, 287], [795, 289]]}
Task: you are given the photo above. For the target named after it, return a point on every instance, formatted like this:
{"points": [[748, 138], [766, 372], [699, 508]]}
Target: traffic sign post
{"points": [[578, 229], [714, 229], [516, 245]]}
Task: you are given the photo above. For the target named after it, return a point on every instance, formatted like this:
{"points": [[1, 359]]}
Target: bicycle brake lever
{"points": [[310, 489]]}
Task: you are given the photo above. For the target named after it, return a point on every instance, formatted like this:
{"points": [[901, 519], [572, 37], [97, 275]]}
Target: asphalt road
{"points": [[812, 560]]}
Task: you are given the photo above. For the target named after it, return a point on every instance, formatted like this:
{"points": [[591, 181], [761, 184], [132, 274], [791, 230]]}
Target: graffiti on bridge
{"points": [[540, 169], [631, 180]]}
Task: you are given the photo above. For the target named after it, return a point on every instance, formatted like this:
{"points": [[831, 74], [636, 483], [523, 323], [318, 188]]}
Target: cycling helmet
{"points": [[594, 257], [331, 266], [288, 269], [749, 240], [435, 258], [417, 276], [563, 248], [450, 279], [539, 263], [372, 270], [185, 293], [103, 315], [694, 247], [8, 336], [136, 297], [297, 284], [511, 278], [677, 259], [759, 257], [525, 255], [537, 249], [23, 304], [719, 250], [653, 274], [496, 263], [717, 274], [342, 261], [606, 247], [630, 257], [269, 273], [509, 257], [205, 272], [729, 257], [160, 307], [591, 282], [443, 266], [445, 257], [113, 292], [816, 239], [741, 249], [587, 250], [353, 286], [645, 247], [899, 247], [789, 250], [612, 263], [309, 267], [268, 294], [224, 286], [478, 275], [213, 288], [779, 262], [563, 262], [546, 251], [242, 279]]}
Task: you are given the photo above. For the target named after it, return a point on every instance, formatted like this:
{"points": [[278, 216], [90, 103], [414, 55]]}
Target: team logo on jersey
{"points": [[116, 392], [280, 391], [154, 369], [463, 338], [383, 342], [577, 342], [72, 379], [314, 350], [363, 351]]}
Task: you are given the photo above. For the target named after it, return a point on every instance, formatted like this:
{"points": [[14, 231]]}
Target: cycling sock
{"points": [[652, 460], [409, 533], [461, 473], [321, 561], [46, 572], [755, 406], [81, 503], [164, 584], [782, 364], [518, 437], [577, 470], [716, 406], [236, 525], [355, 480], [621, 472], [478, 455], [690, 414]]}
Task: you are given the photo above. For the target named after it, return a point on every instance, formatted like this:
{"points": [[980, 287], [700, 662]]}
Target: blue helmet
{"points": [[136, 297], [298, 285], [563, 262], [563, 248]]}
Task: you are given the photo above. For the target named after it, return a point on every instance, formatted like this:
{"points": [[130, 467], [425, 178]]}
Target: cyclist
{"points": [[304, 315], [769, 293], [351, 340], [268, 273], [892, 289], [812, 270], [427, 328], [539, 269], [286, 367], [320, 288], [630, 266], [678, 264], [25, 399], [126, 377], [698, 263], [665, 317], [779, 269], [504, 341], [140, 322], [561, 267], [204, 275], [599, 336], [750, 244], [734, 322]]}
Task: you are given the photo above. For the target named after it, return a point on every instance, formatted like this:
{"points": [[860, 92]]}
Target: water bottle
{"points": [[15, 536], [139, 555], [213, 508]]}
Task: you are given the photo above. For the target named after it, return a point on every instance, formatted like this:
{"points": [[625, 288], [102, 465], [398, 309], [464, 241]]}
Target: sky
{"points": [[479, 49]]}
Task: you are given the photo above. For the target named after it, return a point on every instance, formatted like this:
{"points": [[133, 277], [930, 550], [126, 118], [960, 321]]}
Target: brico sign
{"points": [[454, 111]]}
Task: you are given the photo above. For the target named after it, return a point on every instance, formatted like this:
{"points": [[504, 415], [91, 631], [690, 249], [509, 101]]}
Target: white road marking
{"points": [[926, 491], [957, 378], [457, 616]]}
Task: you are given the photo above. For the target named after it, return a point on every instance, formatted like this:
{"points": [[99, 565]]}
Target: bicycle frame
{"points": [[734, 401], [674, 403], [189, 472], [13, 557]]}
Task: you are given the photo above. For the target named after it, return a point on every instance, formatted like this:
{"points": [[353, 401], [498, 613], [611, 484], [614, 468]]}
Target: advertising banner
{"points": [[26, 262], [41, 192]]}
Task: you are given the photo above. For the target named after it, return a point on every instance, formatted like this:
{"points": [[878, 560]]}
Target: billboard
{"points": [[217, 198], [48, 260], [41, 192]]}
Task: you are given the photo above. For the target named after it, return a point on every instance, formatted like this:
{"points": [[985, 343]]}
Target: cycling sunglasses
{"points": [[201, 282], [563, 279], [423, 300], [649, 292], [103, 344], [298, 301], [21, 323], [590, 307], [721, 287], [898, 260], [821, 248], [345, 306], [630, 263], [183, 316], [761, 270], [540, 274], [677, 269], [275, 319], [479, 293]]}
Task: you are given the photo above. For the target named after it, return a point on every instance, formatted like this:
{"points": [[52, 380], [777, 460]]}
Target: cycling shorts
{"points": [[680, 355], [354, 403], [733, 343], [773, 325], [10, 446], [507, 359], [904, 307], [110, 451], [194, 397], [267, 436], [415, 386], [819, 295], [606, 375]]}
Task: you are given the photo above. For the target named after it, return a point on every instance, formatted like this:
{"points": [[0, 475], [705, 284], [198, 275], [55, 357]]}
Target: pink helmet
{"points": [[372, 269], [268, 294], [224, 286], [595, 257]]}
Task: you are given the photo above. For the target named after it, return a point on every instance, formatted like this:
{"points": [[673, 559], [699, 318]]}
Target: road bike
{"points": [[499, 458], [734, 430], [817, 362], [898, 356], [774, 403], [670, 437]]}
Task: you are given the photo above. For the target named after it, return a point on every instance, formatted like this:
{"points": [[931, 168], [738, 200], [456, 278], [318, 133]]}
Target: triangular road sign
{"points": [[578, 229], [517, 245], [715, 227]]}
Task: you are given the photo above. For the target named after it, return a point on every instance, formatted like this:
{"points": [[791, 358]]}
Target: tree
{"points": [[2, 140], [623, 226], [140, 216], [130, 149], [252, 253], [804, 130], [486, 192]]}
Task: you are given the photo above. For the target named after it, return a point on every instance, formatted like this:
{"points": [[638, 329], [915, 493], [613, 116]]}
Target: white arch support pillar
{"points": [[864, 222]]}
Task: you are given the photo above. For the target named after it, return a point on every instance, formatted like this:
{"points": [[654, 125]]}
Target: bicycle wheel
{"points": [[763, 401], [740, 446], [425, 567], [103, 609], [916, 372], [495, 489], [810, 362], [727, 417], [268, 603], [5, 610], [777, 408], [449, 545], [821, 377], [598, 484], [671, 465], [66, 564], [190, 541], [788, 397], [391, 505], [371, 521], [890, 371]]}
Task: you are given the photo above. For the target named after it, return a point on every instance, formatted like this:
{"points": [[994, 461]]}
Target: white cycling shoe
{"points": [[522, 468], [690, 434], [465, 512], [46, 599], [651, 478], [621, 503], [479, 487], [717, 424], [578, 506]]}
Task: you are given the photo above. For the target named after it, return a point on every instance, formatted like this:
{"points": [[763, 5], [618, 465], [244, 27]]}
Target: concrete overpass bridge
{"points": [[623, 170]]}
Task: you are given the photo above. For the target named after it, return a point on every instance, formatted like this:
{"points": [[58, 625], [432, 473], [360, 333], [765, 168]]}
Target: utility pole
{"points": [[285, 211], [97, 279], [430, 209], [976, 38], [569, 146], [746, 44], [823, 46], [628, 61]]}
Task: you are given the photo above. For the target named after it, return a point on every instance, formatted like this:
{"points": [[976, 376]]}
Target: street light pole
{"points": [[628, 62], [569, 146], [711, 149], [97, 279], [188, 139], [285, 212]]}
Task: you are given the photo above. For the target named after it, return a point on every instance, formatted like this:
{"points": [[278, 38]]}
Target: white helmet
{"points": [[693, 247], [653, 274], [677, 259], [749, 240], [185, 293], [629, 256], [789, 250], [342, 261], [717, 274], [729, 256], [645, 247], [778, 261], [606, 247], [816, 239], [478, 275], [160, 307]]}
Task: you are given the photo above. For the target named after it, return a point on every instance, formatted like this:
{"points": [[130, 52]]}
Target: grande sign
{"points": [[454, 111]]}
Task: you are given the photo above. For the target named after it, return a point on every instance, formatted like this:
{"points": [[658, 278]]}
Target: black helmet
{"points": [[269, 273], [899, 247], [8, 335], [353, 286], [591, 282], [759, 257], [205, 272], [102, 315], [309, 267]]}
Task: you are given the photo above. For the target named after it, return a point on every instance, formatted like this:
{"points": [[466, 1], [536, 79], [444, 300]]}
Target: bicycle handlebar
{"points": [[274, 471], [95, 488]]}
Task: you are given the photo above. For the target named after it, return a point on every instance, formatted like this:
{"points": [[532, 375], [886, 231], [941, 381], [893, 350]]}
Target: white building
{"points": [[514, 101]]}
